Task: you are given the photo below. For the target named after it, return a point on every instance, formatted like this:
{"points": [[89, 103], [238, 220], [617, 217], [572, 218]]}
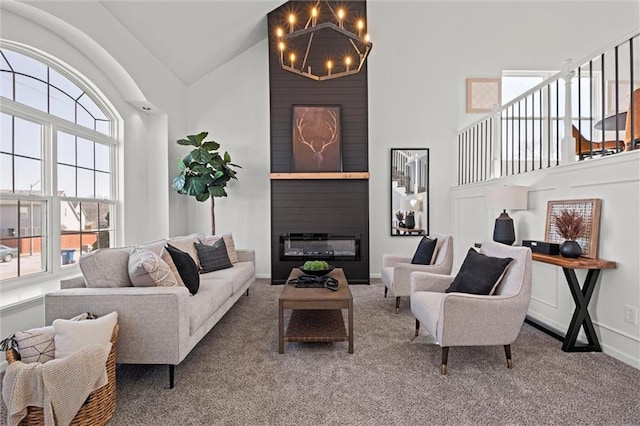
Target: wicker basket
{"points": [[100, 404]]}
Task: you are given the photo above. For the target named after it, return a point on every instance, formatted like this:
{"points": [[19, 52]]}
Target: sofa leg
{"points": [[417, 327], [247, 292], [507, 352], [385, 292], [445, 356], [397, 304], [172, 370]]}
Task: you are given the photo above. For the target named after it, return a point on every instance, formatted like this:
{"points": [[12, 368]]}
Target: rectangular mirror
{"points": [[409, 191]]}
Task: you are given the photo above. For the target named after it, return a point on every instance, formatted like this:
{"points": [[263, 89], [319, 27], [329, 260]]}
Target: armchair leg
{"points": [[385, 292], [417, 327], [397, 304], [172, 369], [445, 356], [507, 352]]}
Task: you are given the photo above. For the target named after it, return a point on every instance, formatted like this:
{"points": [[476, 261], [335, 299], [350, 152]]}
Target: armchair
{"points": [[396, 269], [461, 319], [585, 147]]}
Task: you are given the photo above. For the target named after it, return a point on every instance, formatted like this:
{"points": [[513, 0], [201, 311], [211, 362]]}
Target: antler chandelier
{"points": [[326, 50]]}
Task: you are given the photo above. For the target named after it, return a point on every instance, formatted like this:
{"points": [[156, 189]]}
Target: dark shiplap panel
{"points": [[339, 206]]}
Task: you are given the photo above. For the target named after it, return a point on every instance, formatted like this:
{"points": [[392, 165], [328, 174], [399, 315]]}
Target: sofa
{"points": [[159, 324]]}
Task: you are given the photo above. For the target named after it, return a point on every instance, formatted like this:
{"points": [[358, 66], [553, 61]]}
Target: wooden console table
{"points": [[408, 231], [580, 296]]}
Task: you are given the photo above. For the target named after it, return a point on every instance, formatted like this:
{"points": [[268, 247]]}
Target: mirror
{"points": [[409, 191]]}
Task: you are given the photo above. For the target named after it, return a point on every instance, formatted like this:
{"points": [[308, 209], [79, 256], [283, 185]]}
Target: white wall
{"points": [[431, 47], [232, 104], [615, 180]]}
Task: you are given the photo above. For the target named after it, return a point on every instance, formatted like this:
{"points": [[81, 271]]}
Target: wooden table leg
{"points": [[280, 328], [350, 326]]}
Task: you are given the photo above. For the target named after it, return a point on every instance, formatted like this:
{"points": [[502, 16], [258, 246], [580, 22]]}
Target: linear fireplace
{"points": [[320, 246]]}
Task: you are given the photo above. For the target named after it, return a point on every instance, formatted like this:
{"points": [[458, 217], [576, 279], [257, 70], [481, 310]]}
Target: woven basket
{"points": [[100, 405]]}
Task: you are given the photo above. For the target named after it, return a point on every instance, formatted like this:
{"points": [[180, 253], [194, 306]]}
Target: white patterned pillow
{"points": [[228, 242], [147, 269], [36, 345]]}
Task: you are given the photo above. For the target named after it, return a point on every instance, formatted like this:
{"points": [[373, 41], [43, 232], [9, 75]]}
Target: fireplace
{"points": [[319, 246]]}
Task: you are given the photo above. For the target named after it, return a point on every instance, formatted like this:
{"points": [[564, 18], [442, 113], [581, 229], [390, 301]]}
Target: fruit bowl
{"points": [[317, 273]]}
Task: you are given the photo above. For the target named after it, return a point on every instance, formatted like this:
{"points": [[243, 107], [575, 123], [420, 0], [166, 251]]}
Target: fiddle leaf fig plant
{"points": [[204, 172]]}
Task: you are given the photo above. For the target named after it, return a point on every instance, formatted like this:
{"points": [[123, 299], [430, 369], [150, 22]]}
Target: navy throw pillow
{"points": [[424, 252], [186, 267], [479, 274]]}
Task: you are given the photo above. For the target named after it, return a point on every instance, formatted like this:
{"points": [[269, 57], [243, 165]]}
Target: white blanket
{"points": [[59, 386]]}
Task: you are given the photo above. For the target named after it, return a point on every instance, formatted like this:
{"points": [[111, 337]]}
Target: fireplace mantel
{"points": [[325, 175]]}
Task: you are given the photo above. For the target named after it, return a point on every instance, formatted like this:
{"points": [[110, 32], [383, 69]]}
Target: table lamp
{"points": [[505, 197]]}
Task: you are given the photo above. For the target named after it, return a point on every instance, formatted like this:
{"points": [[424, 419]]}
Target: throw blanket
{"points": [[59, 386]]}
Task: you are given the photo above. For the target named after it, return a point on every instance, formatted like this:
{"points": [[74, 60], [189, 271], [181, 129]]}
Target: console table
{"points": [[408, 231], [580, 296]]}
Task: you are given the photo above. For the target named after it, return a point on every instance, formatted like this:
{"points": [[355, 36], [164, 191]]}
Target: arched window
{"points": [[57, 160]]}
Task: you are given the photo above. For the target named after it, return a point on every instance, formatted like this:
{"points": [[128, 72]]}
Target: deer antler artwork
{"points": [[318, 132]]}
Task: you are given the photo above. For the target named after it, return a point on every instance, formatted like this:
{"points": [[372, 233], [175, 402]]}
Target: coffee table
{"points": [[316, 313]]}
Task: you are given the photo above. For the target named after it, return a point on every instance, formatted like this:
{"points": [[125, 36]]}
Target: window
{"points": [[56, 157]]}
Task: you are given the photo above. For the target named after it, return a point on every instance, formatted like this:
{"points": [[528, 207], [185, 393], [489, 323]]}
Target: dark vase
{"points": [[410, 222], [570, 248]]}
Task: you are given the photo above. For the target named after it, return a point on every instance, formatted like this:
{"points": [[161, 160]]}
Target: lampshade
{"points": [[416, 205], [506, 197], [405, 205]]}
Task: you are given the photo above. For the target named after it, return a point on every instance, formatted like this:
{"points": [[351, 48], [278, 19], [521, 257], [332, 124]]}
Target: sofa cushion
{"points": [[237, 276], [147, 269], [71, 336], [213, 257], [424, 252], [228, 242], [186, 245], [479, 274], [107, 267], [212, 294], [187, 268], [156, 246]]}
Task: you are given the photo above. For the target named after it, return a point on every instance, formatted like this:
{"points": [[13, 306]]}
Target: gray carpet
{"points": [[235, 376]]}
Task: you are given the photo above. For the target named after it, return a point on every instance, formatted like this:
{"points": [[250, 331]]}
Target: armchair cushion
{"points": [[479, 274], [424, 252]]}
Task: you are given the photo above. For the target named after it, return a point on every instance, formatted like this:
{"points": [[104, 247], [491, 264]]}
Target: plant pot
{"points": [[571, 249]]}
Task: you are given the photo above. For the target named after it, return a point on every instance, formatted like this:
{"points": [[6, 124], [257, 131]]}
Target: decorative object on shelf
{"points": [[400, 217], [483, 94], [409, 189], [588, 210], [317, 138], [307, 50], [204, 172], [512, 197], [570, 225]]}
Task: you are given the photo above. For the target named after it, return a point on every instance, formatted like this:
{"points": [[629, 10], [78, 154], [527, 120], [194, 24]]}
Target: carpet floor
{"points": [[236, 376]]}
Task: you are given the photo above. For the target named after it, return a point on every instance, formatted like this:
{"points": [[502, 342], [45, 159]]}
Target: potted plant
{"points": [[570, 226], [400, 217], [204, 172]]}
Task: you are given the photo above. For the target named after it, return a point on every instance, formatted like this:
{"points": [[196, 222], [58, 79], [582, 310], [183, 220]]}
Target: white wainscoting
{"points": [[615, 180]]}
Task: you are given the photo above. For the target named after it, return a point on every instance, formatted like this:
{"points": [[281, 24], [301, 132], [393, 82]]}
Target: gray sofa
{"points": [[158, 325]]}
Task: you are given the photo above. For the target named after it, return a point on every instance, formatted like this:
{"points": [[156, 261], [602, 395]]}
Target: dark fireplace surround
{"points": [[331, 208]]}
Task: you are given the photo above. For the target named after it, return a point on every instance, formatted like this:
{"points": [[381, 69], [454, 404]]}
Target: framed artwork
{"points": [[589, 209], [317, 138], [483, 94], [624, 96]]}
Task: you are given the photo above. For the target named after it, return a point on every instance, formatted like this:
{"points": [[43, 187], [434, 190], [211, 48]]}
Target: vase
{"points": [[410, 222], [570, 248]]}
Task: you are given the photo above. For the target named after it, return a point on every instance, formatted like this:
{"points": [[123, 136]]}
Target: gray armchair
{"points": [[461, 319], [396, 269]]}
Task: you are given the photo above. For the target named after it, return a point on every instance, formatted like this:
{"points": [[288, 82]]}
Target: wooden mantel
{"points": [[326, 175]]}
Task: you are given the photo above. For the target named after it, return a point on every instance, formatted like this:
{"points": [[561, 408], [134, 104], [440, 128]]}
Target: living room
{"points": [[424, 51]]}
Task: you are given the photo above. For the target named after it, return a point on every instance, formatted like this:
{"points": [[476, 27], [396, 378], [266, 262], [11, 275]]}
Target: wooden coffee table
{"points": [[316, 314]]}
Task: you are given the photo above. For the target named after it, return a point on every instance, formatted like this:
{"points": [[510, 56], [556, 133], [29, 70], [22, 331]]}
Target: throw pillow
{"points": [[214, 257], [164, 255], [424, 252], [147, 269], [36, 345], [479, 274], [187, 268], [228, 242], [106, 267], [186, 244], [71, 336]]}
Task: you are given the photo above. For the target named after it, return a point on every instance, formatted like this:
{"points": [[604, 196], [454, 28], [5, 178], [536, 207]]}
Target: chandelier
{"points": [[324, 48]]}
